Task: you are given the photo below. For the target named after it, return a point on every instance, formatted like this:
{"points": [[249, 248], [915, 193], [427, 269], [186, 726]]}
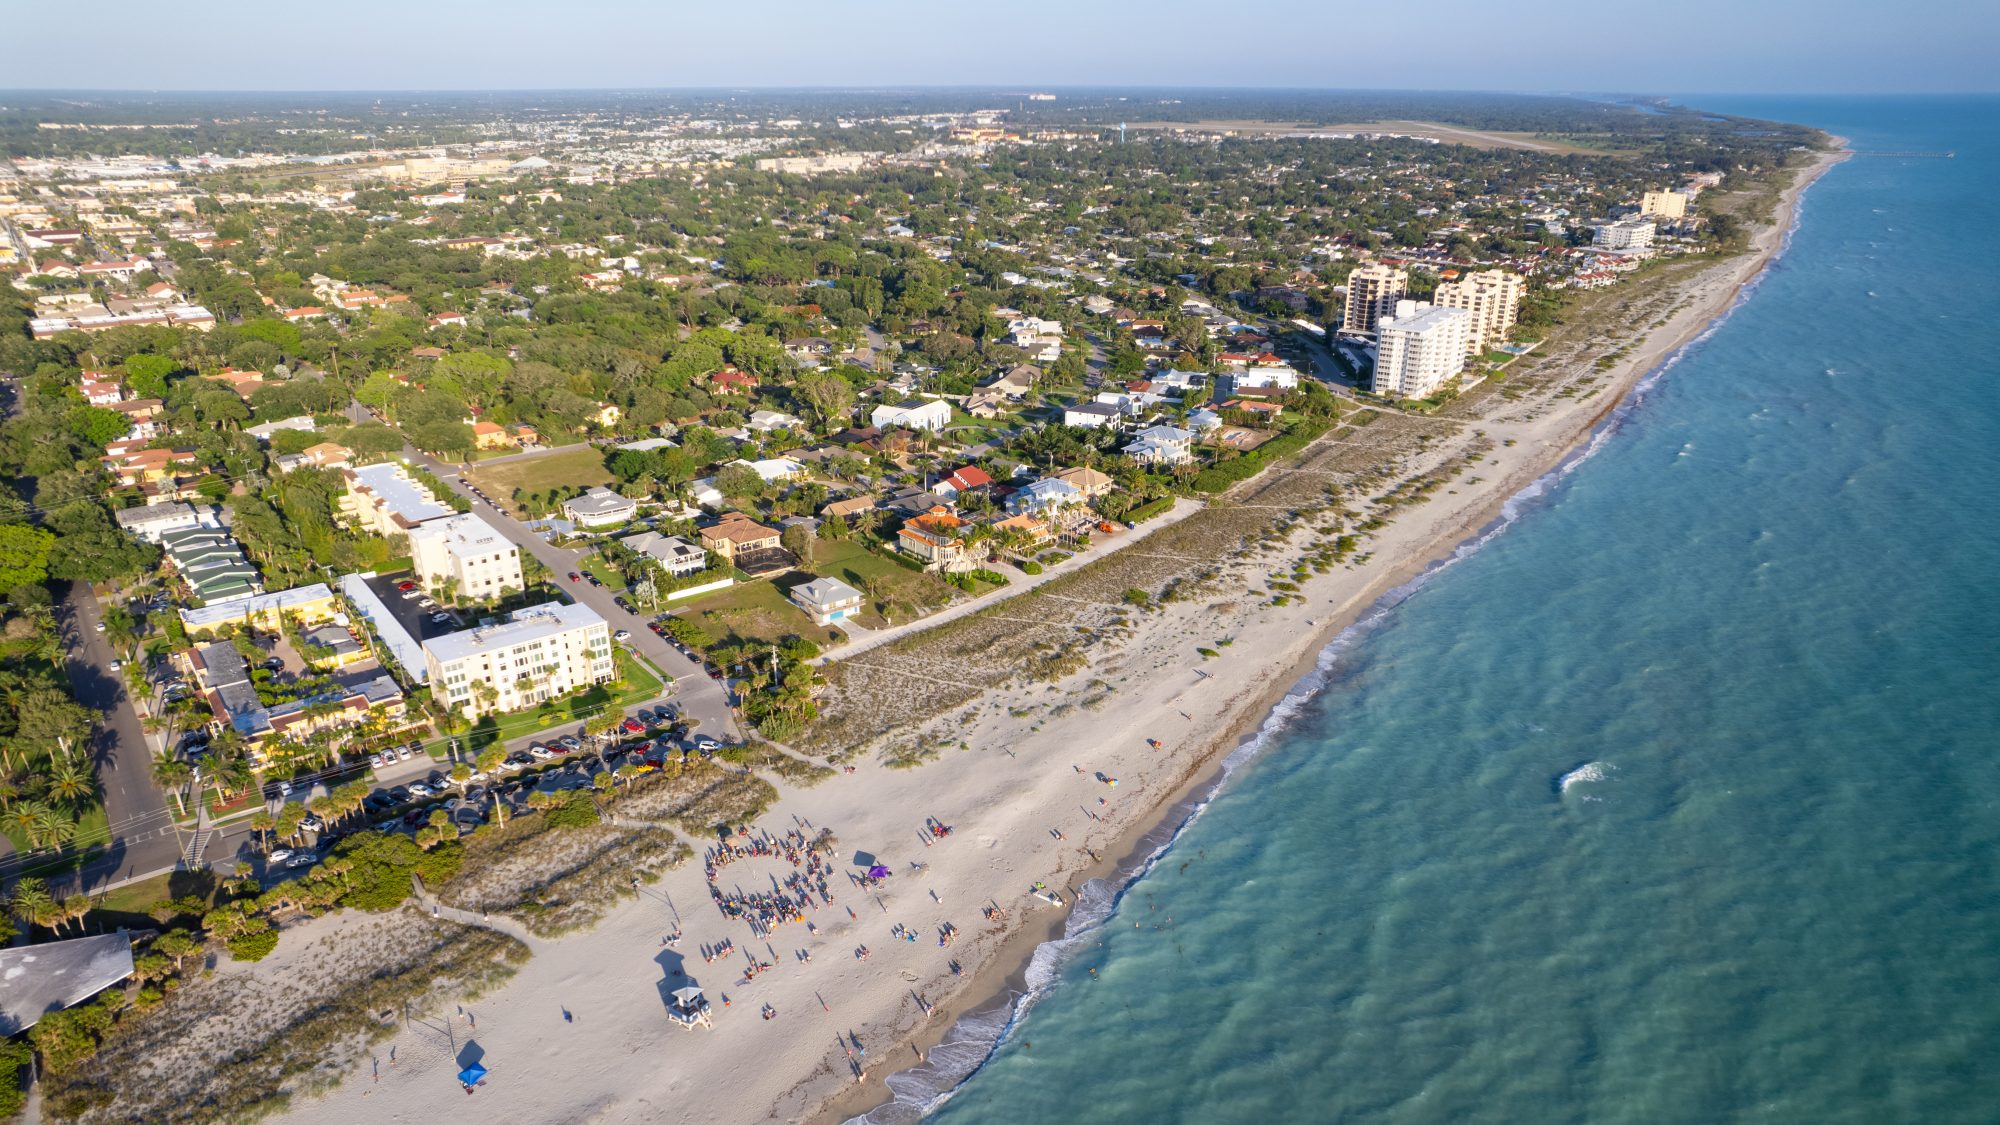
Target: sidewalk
{"points": [[865, 639]]}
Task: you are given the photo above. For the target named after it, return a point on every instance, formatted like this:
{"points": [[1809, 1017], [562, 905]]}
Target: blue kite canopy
{"points": [[472, 1074], [878, 872]]}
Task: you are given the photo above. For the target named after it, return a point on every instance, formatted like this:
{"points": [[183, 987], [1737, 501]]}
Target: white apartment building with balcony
{"points": [[538, 653], [1627, 234], [1493, 297], [1421, 348], [469, 553]]}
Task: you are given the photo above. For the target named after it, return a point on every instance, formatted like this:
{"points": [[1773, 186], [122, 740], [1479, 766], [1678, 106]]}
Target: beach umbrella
{"points": [[878, 872], [471, 1075]]}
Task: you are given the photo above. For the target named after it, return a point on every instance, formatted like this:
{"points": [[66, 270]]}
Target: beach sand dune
{"points": [[1029, 799]]}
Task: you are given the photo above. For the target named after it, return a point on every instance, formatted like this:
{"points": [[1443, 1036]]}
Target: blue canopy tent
{"points": [[472, 1075], [878, 872]]}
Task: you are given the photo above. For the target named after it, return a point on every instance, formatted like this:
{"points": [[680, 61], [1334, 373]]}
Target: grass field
{"points": [[751, 613], [882, 580], [583, 466]]}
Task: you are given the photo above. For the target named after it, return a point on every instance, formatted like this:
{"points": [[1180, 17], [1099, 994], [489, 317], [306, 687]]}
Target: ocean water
{"points": [[1678, 800]]}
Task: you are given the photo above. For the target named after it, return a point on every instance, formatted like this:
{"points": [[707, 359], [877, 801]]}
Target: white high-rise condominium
{"points": [[538, 653], [1372, 293], [1628, 234], [1421, 348], [468, 552], [1493, 297]]}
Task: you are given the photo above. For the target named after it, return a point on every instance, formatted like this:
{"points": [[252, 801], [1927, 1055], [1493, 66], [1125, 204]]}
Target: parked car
{"points": [[415, 747], [538, 750], [303, 859], [406, 585], [399, 794], [277, 857], [632, 726], [573, 576], [403, 752], [569, 744], [375, 761], [312, 823], [440, 618], [420, 789], [622, 635]]}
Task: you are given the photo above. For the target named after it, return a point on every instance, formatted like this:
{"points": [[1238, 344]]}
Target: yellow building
{"points": [[1372, 293], [1663, 205], [1493, 297]]}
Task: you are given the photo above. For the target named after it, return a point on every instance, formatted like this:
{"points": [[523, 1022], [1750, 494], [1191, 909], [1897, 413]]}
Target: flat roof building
{"points": [[538, 653], [1422, 348], [311, 603], [385, 500], [466, 553]]}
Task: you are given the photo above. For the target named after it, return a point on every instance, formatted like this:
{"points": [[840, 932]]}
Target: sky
{"points": [[1612, 46]]}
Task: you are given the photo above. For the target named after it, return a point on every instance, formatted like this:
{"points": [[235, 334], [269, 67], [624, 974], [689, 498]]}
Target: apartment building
{"points": [[1493, 297], [538, 653], [1663, 205], [468, 553], [384, 500], [1628, 234], [1372, 293], [1422, 347]]}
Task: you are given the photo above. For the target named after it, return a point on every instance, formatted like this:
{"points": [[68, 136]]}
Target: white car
{"points": [[303, 859], [622, 635], [541, 751], [278, 857], [375, 761]]}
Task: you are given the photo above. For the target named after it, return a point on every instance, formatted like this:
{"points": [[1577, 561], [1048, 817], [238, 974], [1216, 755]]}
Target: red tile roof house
{"points": [[962, 480], [731, 381]]}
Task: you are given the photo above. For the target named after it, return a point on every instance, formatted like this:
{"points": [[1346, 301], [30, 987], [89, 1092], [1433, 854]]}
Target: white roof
{"points": [[398, 494], [462, 533], [824, 591], [532, 623], [210, 616]]}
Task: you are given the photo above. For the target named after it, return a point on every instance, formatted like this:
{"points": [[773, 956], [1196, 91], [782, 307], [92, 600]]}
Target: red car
{"points": [[632, 726], [573, 576], [406, 585]]}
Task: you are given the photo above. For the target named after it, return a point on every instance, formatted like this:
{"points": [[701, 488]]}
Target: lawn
{"points": [[642, 686], [750, 613], [879, 578], [611, 576], [582, 466]]}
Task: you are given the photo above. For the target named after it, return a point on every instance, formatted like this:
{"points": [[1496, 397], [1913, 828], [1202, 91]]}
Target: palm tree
{"points": [[75, 907], [53, 827], [261, 822], [235, 774], [172, 774], [71, 783], [19, 819], [32, 900]]}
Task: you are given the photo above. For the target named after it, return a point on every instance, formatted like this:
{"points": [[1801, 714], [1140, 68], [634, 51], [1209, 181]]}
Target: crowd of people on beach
{"points": [[807, 888]]}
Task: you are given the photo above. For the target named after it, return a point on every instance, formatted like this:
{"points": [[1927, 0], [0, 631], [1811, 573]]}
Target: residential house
{"points": [[1016, 381], [984, 403], [101, 392], [309, 604], [826, 600], [675, 555], [599, 507], [808, 349], [1088, 482], [963, 479], [730, 381], [935, 537], [765, 421], [1090, 415], [1203, 420], [1029, 532], [1046, 495], [303, 424], [1161, 445], [737, 535], [774, 470], [490, 435], [151, 521], [912, 414]]}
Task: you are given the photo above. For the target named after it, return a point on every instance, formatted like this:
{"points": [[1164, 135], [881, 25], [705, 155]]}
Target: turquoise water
{"points": [[1764, 608]]}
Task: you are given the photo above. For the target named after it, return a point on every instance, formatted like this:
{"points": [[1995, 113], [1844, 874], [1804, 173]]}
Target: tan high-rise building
{"points": [[1493, 297], [1663, 205], [1372, 293]]}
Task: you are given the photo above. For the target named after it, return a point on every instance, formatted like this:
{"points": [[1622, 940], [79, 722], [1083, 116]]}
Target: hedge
{"points": [[1149, 509], [1219, 476]]}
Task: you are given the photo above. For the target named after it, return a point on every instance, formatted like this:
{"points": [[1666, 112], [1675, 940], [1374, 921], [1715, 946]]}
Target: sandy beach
{"points": [[1025, 787]]}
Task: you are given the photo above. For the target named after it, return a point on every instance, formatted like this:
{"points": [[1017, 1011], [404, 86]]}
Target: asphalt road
{"points": [[143, 838], [700, 697]]}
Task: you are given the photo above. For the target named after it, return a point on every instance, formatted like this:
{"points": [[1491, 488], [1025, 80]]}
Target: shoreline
{"points": [[1002, 983]]}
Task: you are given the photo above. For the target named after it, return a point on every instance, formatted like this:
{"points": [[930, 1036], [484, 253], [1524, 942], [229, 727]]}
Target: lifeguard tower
{"points": [[689, 1009]]}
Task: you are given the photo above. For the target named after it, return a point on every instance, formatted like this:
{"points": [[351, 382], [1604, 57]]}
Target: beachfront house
{"points": [[826, 600], [599, 507], [1045, 495], [1161, 445]]}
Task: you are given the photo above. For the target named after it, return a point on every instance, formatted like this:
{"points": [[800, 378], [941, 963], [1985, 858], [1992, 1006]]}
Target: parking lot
{"points": [[416, 611]]}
